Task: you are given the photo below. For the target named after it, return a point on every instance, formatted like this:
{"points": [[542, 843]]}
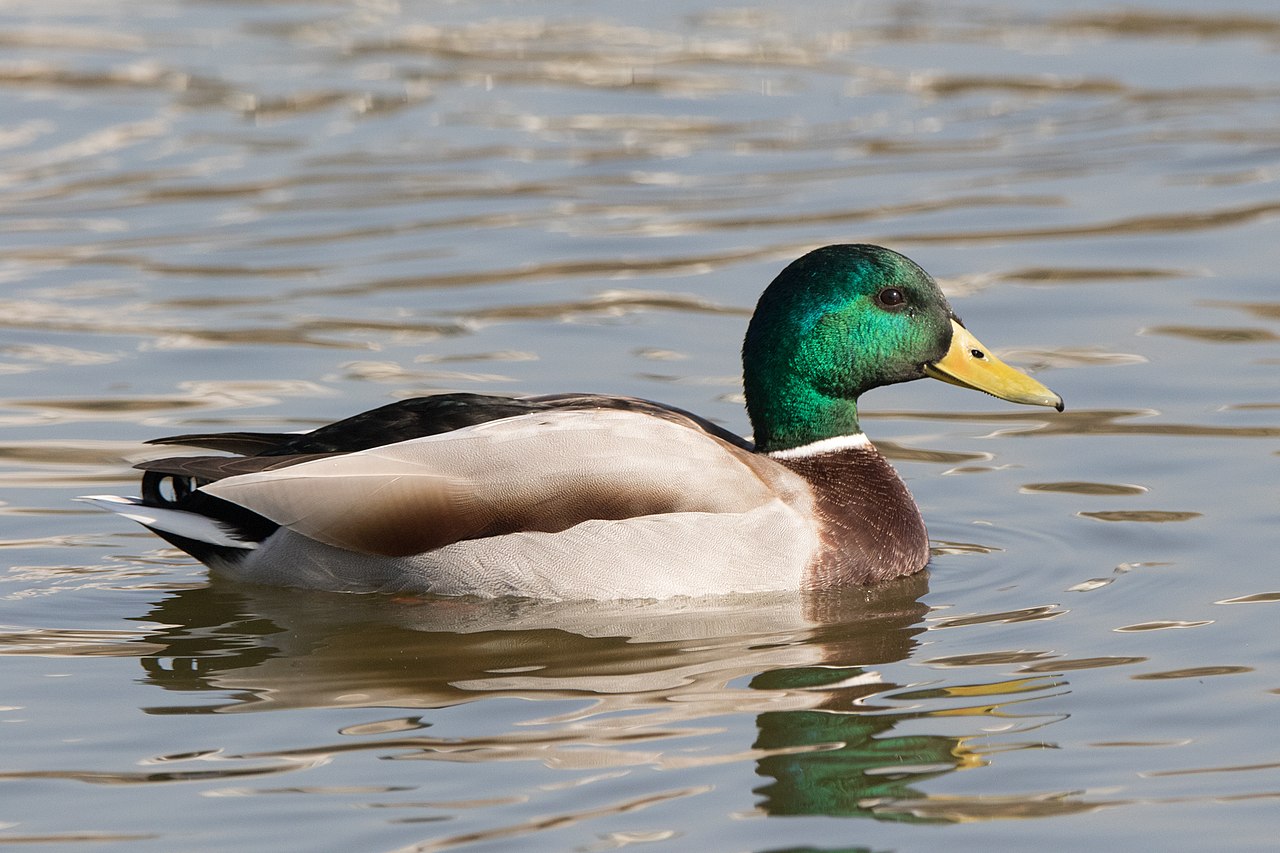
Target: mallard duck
{"points": [[585, 496]]}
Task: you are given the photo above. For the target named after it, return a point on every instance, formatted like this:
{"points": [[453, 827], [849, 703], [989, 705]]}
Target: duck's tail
{"points": [[200, 536]]}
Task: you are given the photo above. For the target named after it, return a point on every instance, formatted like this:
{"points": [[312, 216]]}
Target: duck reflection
{"points": [[803, 665], [841, 759]]}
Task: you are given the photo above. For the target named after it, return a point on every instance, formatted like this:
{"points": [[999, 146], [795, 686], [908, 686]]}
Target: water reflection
{"points": [[839, 758], [292, 648], [828, 738]]}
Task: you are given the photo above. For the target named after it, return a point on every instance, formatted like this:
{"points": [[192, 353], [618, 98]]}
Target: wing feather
{"points": [[246, 443], [545, 472]]}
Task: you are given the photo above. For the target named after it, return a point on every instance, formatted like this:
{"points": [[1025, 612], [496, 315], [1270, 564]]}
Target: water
{"points": [[264, 216]]}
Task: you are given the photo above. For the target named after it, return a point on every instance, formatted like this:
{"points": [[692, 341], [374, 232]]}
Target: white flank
{"points": [[824, 445], [186, 524]]}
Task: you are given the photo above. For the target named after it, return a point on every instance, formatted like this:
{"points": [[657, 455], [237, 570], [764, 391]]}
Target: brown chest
{"points": [[869, 526]]}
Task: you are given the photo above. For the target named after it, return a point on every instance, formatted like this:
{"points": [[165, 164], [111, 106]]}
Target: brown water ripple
{"points": [[998, 658], [1056, 275], [960, 809], [608, 303], [78, 837], [1086, 422], [1068, 664], [1192, 672], [55, 642], [1255, 598], [1216, 335], [612, 267], [1149, 23], [1081, 488], [1153, 516], [1024, 614], [109, 777], [1184, 222]]}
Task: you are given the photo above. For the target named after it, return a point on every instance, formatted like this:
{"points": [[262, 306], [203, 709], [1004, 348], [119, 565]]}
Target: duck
{"points": [[581, 496]]}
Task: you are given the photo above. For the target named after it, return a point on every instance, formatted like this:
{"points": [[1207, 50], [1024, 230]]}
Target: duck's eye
{"points": [[891, 297]]}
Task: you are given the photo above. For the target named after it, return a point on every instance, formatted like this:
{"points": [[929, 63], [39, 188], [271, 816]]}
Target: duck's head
{"points": [[845, 319]]}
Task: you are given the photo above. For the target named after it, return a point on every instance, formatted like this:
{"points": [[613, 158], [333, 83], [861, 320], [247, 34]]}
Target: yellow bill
{"points": [[969, 364]]}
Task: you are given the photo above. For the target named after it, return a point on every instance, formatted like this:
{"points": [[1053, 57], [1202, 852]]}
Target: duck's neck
{"points": [[796, 414]]}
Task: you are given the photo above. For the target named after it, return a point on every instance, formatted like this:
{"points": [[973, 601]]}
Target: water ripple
{"points": [[235, 215]]}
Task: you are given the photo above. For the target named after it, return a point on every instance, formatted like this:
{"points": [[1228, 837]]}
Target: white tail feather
{"points": [[186, 524]]}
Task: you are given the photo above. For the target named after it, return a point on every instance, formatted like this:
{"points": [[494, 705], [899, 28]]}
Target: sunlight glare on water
{"points": [[222, 216]]}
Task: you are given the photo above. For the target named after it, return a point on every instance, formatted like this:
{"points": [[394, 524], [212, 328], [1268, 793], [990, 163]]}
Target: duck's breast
{"points": [[869, 526]]}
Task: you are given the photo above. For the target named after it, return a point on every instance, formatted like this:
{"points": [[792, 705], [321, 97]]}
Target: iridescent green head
{"points": [[844, 319]]}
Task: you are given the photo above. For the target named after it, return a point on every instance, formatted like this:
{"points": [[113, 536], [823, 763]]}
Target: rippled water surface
{"points": [[269, 215]]}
